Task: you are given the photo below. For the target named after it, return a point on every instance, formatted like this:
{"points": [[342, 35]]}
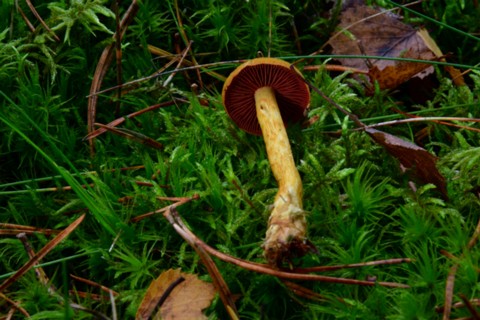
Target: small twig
{"points": [[470, 307], [186, 41], [298, 43], [449, 255], [17, 228], [127, 87], [474, 237], [450, 284], [179, 53], [14, 232], [94, 284], [44, 280], [440, 120], [118, 54], [353, 265], [121, 120], [158, 74], [41, 275], [24, 17], [102, 68], [242, 193], [304, 292], [88, 295], [132, 135], [148, 214], [97, 314], [165, 54], [113, 304], [52, 189], [15, 305], [144, 184], [180, 62], [473, 302], [35, 13], [179, 202], [41, 253]]}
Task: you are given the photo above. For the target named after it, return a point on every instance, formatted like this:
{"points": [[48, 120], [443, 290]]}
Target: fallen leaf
{"points": [[372, 31], [418, 160], [179, 296], [394, 75]]}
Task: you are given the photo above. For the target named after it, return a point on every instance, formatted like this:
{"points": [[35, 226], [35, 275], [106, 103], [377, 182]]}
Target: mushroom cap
{"points": [[291, 92]]}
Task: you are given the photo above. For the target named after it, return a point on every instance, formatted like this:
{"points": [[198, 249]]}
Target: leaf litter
{"points": [[178, 295], [375, 32], [412, 157], [420, 162]]}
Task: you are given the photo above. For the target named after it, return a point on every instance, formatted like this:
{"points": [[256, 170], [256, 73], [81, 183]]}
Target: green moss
{"points": [[360, 206]]}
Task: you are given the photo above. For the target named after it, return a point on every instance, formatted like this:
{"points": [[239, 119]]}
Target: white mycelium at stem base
{"points": [[287, 222]]}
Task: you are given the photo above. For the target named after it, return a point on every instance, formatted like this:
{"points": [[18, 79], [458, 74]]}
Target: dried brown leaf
{"points": [[372, 31], [180, 296], [418, 160], [394, 75]]}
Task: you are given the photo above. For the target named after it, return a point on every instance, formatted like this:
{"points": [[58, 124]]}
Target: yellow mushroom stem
{"points": [[286, 231]]}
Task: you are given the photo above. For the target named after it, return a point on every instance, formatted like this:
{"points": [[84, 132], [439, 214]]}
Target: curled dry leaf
{"points": [[372, 31], [412, 157], [179, 296]]}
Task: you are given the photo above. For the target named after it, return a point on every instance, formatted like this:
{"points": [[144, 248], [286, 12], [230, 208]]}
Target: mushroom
{"points": [[262, 96]]}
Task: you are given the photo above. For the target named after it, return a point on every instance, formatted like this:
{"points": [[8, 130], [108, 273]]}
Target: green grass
{"points": [[360, 206]]}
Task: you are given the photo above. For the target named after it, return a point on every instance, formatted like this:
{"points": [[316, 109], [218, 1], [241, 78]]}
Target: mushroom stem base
{"points": [[286, 234]]}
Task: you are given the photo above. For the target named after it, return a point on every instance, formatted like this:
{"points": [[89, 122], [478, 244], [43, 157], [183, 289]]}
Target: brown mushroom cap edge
{"points": [[291, 92]]}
